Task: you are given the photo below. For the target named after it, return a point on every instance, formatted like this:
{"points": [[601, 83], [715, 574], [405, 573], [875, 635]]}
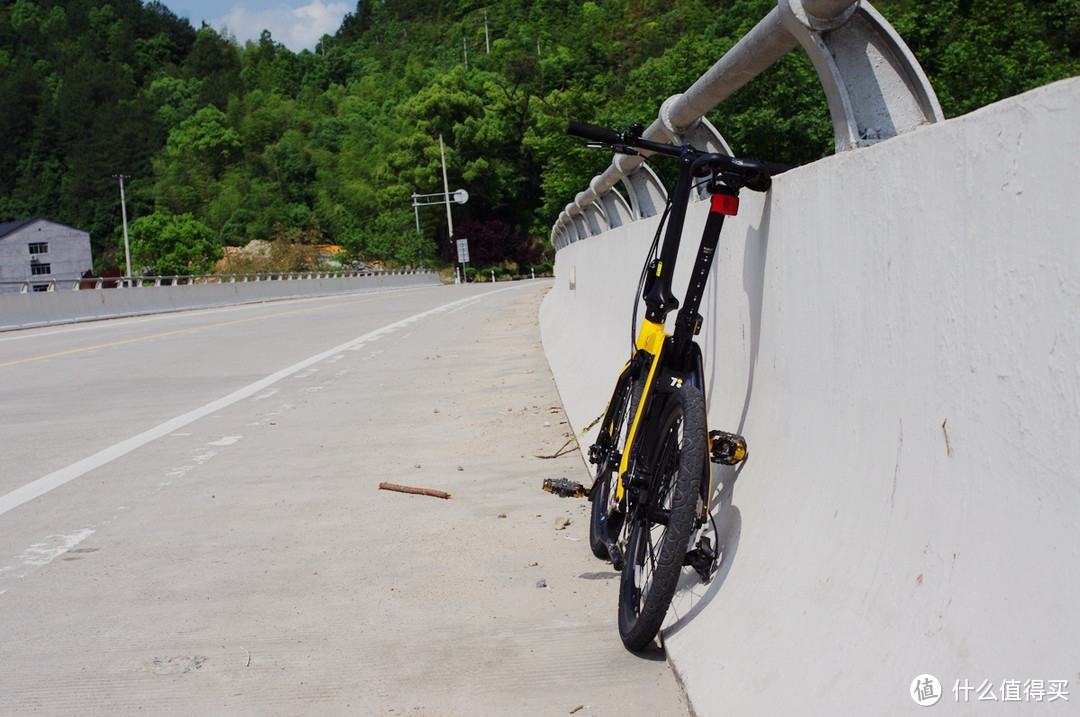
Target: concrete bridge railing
{"points": [[90, 299], [896, 332], [874, 85]]}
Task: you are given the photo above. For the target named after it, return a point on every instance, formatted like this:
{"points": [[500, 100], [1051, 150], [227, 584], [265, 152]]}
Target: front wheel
{"points": [[664, 520]]}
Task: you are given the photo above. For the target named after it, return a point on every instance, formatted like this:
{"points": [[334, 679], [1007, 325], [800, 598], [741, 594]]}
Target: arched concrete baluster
{"points": [[701, 134], [646, 192], [594, 218], [616, 208], [875, 87]]}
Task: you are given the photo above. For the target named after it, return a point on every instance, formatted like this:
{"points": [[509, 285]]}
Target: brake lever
{"points": [[616, 148]]}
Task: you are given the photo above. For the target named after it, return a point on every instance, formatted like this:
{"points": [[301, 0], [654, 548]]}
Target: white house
{"points": [[35, 250]]}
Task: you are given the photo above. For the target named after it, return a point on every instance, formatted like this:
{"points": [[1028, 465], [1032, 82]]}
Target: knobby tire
{"points": [[655, 551]]}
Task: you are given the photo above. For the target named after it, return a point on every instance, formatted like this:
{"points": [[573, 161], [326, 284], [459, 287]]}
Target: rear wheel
{"points": [[607, 516], [663, 523]]}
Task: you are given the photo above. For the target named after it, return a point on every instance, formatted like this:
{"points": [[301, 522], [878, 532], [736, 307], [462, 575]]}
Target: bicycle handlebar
{"points": [[753, 174], [620, 141], [603, 135]]}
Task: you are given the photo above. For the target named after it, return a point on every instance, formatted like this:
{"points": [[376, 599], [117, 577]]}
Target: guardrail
{"points": [[43, 284], [72, 300], [873, 83]]}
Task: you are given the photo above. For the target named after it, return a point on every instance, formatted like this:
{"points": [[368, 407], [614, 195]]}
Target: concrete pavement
{"points": [[246, 562]]}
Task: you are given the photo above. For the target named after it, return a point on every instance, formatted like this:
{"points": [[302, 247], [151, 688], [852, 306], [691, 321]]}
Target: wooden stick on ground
{"points": [[415, 491]]}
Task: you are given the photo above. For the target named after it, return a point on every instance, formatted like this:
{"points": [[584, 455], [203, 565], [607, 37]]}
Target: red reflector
{"points": [[725, 204]]}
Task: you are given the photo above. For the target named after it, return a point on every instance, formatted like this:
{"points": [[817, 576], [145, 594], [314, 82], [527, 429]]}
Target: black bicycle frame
{"points": [[658, 296]]}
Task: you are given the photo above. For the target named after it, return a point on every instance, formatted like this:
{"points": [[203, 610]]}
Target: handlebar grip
{"points": [[759, 182], [755, 174], [603, 135]]}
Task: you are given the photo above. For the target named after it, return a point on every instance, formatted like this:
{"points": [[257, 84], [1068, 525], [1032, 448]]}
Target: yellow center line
{"points": [[176, 332]]}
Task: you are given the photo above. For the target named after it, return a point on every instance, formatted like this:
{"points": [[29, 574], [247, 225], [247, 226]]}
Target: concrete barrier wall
{"points": [[896, 331], [20, 311]]}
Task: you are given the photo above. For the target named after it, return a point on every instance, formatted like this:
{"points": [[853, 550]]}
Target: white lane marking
{"points": [[43, 485], [226, 441], [52, 547]]}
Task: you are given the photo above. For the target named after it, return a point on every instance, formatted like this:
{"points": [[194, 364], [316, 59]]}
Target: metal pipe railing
{"points": [[766, 43], [26, 286], [874, 86]]}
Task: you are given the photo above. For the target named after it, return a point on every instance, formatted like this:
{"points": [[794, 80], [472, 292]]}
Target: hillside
{"points": [[226, 144]]}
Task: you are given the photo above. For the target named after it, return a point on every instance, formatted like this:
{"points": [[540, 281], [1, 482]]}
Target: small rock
{"points": [[460, 468], [541, 583], [561, 522], [502, 515]]}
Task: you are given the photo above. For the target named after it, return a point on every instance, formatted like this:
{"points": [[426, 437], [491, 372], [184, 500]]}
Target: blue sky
{"points": [[297, 24]]}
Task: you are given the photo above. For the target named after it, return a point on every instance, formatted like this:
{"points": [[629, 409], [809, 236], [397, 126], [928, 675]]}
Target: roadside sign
{"points": [[463, 250]]}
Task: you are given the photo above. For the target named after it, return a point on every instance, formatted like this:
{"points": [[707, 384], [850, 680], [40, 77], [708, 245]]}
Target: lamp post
{"points": [[458, 197], [123, 216], [427, 200]]}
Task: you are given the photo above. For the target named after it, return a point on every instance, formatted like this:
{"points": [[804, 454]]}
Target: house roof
{"points": [[11, 227], [8, 228]]}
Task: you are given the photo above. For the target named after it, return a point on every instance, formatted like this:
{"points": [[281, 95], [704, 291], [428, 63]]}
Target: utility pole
{"points": [[446, 192], [487, 38], [446, 189], [465, 49], [123, 216]]}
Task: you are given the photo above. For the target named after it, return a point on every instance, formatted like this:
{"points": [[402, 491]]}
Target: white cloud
{"points": [[295, 28]]}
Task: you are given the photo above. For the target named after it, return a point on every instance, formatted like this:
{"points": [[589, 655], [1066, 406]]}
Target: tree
{"points": [[243, 139], [206, 138], [165, 245]]}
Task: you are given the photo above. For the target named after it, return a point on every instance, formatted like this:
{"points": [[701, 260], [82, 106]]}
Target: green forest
{"points": [[222, 143]]}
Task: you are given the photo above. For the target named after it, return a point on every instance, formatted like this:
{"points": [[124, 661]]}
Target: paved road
{"points": [[190, 518]]}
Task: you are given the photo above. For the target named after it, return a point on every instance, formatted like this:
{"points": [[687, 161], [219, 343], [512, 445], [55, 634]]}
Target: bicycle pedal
{"points": [[727, 448], [564, 488]]}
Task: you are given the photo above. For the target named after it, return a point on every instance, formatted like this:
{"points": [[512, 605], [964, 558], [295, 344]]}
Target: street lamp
{"points": [[428, 200], [459, 197]]}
